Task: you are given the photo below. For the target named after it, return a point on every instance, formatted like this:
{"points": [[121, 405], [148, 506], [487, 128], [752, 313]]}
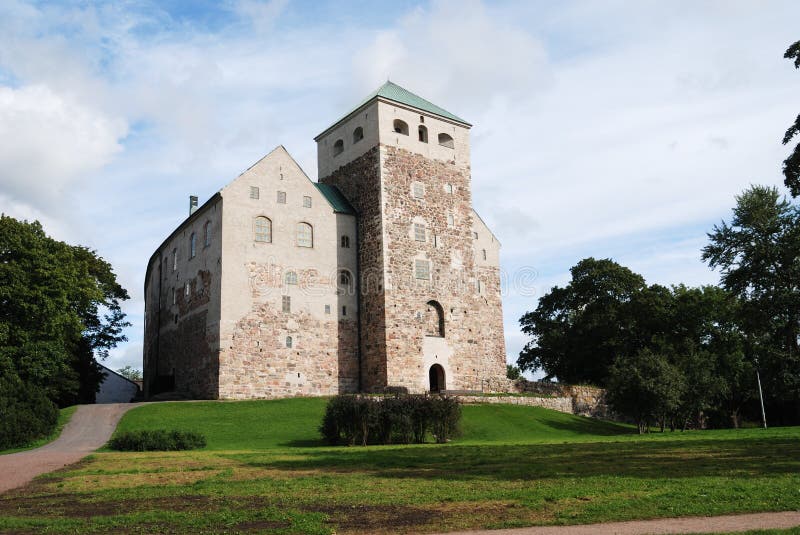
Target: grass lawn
{"points": [[265, 470], [63, 417]]}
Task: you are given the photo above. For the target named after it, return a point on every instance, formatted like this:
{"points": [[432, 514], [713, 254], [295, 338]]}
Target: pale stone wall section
{"points": [[256, 362], [561, 404]]}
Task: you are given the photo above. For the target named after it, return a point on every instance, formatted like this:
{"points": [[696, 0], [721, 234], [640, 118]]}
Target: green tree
{"points": [[513, 372], [758, 255], [791, 165], [130, 373], [60, 310], [646, 387], [577, 331]]}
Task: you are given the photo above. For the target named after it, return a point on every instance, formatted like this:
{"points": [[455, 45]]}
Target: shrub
{"points": [[157, 440], [26, 413], [398, 419]]}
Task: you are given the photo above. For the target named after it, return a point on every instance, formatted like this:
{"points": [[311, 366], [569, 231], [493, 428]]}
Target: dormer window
{"points": [[338, 147], [400, 127], [423, 134], [358, 134], [445, 140]]}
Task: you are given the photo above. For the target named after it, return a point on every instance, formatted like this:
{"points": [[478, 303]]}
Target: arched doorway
{"points": [[436, 376]]}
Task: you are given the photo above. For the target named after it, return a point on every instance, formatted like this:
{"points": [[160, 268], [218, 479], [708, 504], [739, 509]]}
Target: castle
{"points": [[380, 275]]}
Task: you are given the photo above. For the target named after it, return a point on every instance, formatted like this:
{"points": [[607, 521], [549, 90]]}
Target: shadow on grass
{"points": [[654, 460], [587, 426]]}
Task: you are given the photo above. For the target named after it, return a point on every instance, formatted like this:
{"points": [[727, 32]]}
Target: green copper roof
{"points": [[336, 199], [392, 91]]}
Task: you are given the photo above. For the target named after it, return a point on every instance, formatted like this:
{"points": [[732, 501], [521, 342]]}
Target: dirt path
{"points": [[662, 526], [88, 429]]}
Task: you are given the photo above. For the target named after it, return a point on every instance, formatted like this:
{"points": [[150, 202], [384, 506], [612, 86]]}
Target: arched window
{"points": [[289, 342], [400, 127], [451, 221], [291, 277], [345, 242], [192, 245], [434, 316], [358, 135], [446, 140], [207, 234], [305, 235], [436, 378], [423, 134], [338, 147], [345, 279], [262, 229]]}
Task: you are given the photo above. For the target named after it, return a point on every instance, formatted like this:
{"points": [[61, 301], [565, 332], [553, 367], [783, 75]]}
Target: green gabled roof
{"points": [[395, 93], [336, 199]]}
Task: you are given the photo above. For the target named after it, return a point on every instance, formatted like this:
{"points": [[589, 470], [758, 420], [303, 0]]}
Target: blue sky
{"points": [[604, 128]]}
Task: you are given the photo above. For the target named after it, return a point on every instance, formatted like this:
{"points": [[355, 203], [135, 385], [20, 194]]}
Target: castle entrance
{"points": [[436, 376]]}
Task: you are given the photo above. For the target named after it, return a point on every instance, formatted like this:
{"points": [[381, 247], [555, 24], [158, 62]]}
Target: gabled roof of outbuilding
{"points": [[336, 199], [393, 92]]}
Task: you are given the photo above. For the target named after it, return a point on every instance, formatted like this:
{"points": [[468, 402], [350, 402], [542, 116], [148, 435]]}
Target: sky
{"points": [[604, 128]]}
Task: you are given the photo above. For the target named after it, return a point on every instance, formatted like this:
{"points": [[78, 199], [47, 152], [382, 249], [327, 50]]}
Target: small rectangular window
{"points": [[327, 309], [419, 232], [344, 311], [475, 235], [254, 192], [286, 303], [448, 188], [306, 201], [186, 289], [419, 190], [480, 287], [281, 197], [422, 269], [450, 220], [174, 260], [174, 296], [345, 242], [484, 254]]}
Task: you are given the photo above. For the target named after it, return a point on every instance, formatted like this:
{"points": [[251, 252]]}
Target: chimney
{"points": [[192, 204]]}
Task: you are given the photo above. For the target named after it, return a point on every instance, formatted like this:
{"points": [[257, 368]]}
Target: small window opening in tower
{"points": [[434, 319], [422, 118], [289, 342], [445, 140], [338, 147], [358, 134], [400, 127], [423, 134]]}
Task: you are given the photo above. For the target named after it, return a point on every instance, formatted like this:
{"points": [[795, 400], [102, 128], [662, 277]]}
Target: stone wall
{"points": [[561, 404], [472, 349], [359, 181], [585, 400]]}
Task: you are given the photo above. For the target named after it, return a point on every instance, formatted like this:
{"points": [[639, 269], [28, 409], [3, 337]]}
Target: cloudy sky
{"points": [[612, 129]]}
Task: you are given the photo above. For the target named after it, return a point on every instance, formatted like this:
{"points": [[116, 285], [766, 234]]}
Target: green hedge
{"points": [[26, 413], [399, 419], [157, 440]]}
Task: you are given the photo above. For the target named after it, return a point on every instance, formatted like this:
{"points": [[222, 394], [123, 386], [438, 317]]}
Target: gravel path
{"points": [[662, 526], [88, 429]]}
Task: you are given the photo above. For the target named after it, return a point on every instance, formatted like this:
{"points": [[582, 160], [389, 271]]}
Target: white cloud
{"points": [[50, 143]]}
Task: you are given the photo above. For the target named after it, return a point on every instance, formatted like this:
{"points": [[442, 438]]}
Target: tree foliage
{"points": [[60, 309], [791, 165], [576, 330], [758, 255], [130, 373]]}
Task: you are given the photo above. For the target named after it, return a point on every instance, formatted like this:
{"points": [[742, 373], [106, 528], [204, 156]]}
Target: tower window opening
{"points": [[423, 134], [400, 127], [445, 140], [338, 147], [434, 315], [358, 134]]}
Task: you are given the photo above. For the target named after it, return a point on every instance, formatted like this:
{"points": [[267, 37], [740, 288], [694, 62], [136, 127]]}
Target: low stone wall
{"points": [[556, 404], [584, 400]]}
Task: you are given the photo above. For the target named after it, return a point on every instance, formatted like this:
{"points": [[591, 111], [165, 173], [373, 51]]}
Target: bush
{"points": [[26, 413], [157, 440], [399, 419]]}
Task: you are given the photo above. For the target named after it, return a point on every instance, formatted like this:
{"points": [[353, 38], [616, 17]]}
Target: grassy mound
{"points": [[269, 424]]}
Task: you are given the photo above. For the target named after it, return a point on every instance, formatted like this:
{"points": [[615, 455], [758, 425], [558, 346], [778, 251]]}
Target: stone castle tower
{"points": [[430, 303], [379, 275]]}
